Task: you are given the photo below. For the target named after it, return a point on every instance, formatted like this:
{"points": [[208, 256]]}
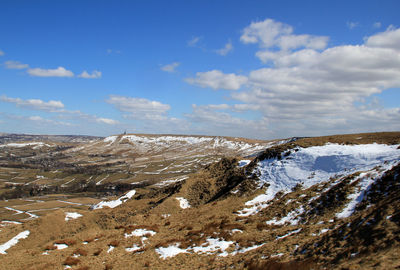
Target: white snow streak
{"points": [[13, 241], [114, 203]]}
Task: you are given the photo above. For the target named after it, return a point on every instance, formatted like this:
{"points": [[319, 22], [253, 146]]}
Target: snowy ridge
{"points": [[144, 143], [19, 145], [309, 166]]}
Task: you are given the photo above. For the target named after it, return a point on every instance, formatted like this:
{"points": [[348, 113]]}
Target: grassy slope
{"points": [[366, 240]]}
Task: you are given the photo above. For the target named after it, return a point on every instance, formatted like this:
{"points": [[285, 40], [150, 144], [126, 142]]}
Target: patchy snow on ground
{"points": [[291, 218], [139, 233], [288, 234], [213, 245], [244, 250], [61, 246], [114, 203], [171, 181], [244, 162], [183, 203], [72, 215], [365, 181], [144, 143], [170, 251], [312, 165], [133, 248], [13, 241], [110, 140], [18, 145], [8, 222]]}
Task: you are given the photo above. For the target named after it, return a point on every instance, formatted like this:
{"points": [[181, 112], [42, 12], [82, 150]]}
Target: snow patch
{"points": [[139, 233], [72, 215], [183, 203], [61, 246], [110, 140], [313, 165], [114, 203], [19, 145], [133, 248], [288, 234], [170, 251], [244, 162], [13, 241]]}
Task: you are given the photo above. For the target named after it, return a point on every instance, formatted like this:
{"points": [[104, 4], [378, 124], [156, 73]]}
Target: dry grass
{"points": [[371, 235], [114, 243], [97, 252], [80, 251], [71, 261]]}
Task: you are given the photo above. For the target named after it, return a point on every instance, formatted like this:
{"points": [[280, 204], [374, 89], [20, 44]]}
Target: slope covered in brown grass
{"points": [[130, 235]]}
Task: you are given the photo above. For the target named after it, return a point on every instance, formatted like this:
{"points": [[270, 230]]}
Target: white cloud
{"points": [[95, 75], [194, 41], [216, 79], [377, 25], [40, 120], [352, 25], [207, 119], [389, 39], [107, 121], [265, 33], [170, 67], [276, 39], [1, 53], [314, 92], [58, 72], [225, 50], [15, 65], [35, 104], [140, 108], [150, 116]]}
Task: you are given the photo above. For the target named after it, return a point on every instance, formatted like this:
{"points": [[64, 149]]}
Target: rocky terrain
{"points": [[198, 202]]}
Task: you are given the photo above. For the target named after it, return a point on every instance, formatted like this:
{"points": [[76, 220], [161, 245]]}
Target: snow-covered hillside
{"points": [[313, 165], [155, 143]]}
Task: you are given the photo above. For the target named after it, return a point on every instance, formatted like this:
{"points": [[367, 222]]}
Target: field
{"points": [[185, 205]]}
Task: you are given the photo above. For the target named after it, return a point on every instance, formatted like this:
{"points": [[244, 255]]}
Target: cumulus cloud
{"points": [[58, 72], [210, 118], [35, 104], [226, 49], [40, 120], [107, 121], [276, 39], [310, 90], [390, 39], [216, 79], [140, 108], [15, 65], [95, 75], [170, 67], [148, 115]]}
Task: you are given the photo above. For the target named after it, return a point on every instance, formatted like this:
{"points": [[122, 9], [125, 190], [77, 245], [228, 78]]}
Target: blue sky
{"points": [[257, 69]]}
